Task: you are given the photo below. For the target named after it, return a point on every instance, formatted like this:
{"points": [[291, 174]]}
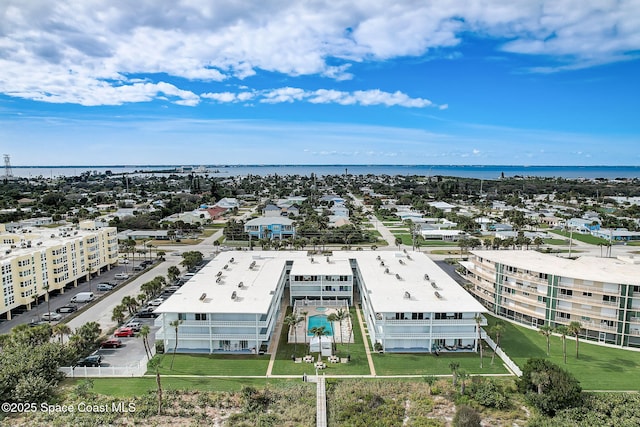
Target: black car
{"points": [[66, 309], [146, 315], [93, 360]]}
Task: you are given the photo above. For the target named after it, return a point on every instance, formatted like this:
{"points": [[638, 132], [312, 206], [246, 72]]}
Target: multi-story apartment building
{"points": [[408, 302], [536, 289], [35, 262]]}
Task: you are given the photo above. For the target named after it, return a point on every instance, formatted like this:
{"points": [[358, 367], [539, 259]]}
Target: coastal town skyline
{"points": [[447, 83]]}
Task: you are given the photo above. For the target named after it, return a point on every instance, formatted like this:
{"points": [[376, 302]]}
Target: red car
{"points": [[124, 332], [112, 343]]}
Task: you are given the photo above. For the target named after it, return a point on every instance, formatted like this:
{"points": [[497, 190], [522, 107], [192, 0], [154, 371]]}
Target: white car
{"points": [[121, 276], [155, 302], [51, 317]]}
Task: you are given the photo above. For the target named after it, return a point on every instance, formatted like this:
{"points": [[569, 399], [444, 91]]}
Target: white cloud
{"points": [[91, 52], [322, 96]]}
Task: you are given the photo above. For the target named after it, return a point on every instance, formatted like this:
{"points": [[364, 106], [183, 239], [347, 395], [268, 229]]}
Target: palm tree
{"points": [[497, 330], [155, 365], [333, 318], [563, 331], [46, 289], [454, 370], [118, 313], [462, 376], [304, 315], [546, 330], [144, 334], [292, 321], [175, 324], [341, 314], [61, 329], [574, 329], [398, 242], [319, 332], [478, 320], [540, 379]]}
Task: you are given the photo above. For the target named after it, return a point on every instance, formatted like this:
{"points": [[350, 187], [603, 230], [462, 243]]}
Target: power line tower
{"points": [[8, 173]]}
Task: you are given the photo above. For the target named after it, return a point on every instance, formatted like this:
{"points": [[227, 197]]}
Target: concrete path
{"points": [[372, 368], [321, 402]]}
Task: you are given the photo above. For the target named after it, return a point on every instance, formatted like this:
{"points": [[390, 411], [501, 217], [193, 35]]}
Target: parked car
{"points": [[104, 287], [146, 315], [138, 268], [51, 317], [155, 302], [124, 332], [66, 309], [121, 276], [134, 324], [124, 261], [111, 343], [93, 360]]}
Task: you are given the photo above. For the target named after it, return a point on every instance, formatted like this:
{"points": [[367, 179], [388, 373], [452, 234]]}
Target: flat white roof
{"points": [[255, 295], [606, 270], [337, 266], [387, 293]]}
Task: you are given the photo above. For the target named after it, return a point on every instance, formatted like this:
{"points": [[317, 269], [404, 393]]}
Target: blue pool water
{"points": [[318, 321]]}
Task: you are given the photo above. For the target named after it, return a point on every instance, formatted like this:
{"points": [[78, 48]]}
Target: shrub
{"points": [[466, 416], [554, 390]]}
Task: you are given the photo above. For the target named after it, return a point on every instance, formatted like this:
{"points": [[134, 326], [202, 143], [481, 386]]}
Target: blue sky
{"points": [[325, 82]]}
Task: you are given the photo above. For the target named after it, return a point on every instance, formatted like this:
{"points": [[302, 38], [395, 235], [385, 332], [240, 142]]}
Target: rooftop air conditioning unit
{"points": [[226, 266], [219, 279], [328, 259], [312, 260], [202, 297], [426, 277], [433, 284], [240, 285], [407, 295], [219, 274], [231, 260], [401, 262], [386, 271], [378, 257], [253, 264], [408, 256], [234, 295], [398, 276], [437, 294], [381, 263]]}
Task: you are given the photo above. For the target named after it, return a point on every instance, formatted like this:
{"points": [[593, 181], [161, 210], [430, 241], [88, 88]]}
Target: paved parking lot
{"points": [[132, 350]]}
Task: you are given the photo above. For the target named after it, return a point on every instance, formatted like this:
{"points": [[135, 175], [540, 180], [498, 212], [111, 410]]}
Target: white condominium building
{"points": [[603, 294], [233, 303], [38, 261]]}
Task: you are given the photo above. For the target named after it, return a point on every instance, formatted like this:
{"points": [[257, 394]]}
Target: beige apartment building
{"points": [[37, 261], [536, 289]]}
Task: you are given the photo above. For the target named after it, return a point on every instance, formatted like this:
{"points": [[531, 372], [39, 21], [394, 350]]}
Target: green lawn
{"points": [[597, 368], [430, 364], [586, 238], [358, 365], [214, 364]]}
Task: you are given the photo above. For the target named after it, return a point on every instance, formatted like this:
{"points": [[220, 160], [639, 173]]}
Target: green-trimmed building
{"points": [[535, 289]]}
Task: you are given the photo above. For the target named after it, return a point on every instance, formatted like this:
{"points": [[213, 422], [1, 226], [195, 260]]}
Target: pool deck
{"points": [[310, 308]]}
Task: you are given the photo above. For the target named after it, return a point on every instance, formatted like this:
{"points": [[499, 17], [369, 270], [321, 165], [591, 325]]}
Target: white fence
{"points": [[133, 370], [502, 355]]}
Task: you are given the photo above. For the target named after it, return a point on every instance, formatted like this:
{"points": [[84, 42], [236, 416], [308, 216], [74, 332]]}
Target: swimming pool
{"points": [[318, 321]]}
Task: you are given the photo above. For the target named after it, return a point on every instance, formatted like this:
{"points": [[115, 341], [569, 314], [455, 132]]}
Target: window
{"points": [[399, 316], [182, 316], [244, 344], [564, 315], [609, 298], [417, 316], [566, 292], [201, 316], [586, 294]]}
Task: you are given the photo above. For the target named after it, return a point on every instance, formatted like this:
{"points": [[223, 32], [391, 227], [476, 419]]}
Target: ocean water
{"points": [[470, 171]]}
